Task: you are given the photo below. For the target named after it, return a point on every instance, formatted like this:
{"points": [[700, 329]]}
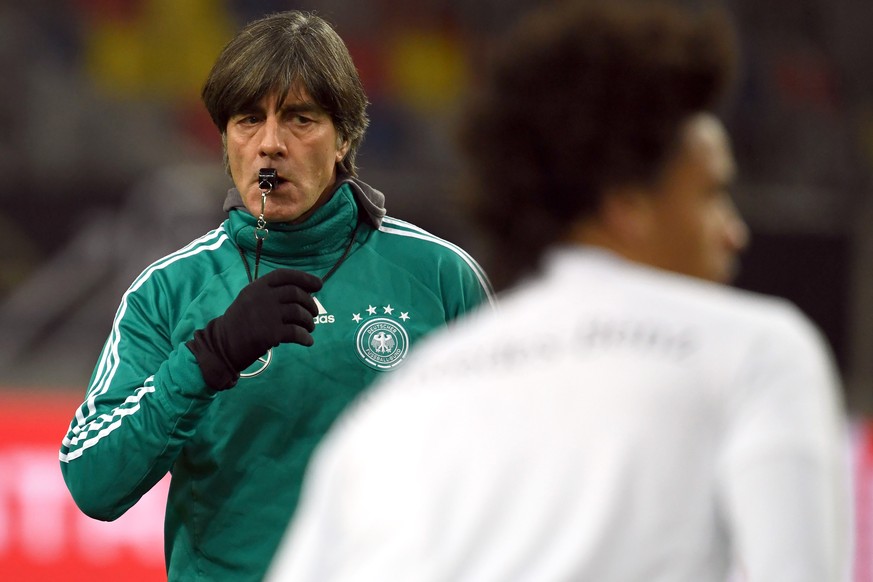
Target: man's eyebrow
{"points": [[292, 107], [300, 107], [248, 109]]}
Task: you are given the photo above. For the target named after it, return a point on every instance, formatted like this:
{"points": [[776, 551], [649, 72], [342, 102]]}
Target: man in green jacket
{"points": [[229, 359]]}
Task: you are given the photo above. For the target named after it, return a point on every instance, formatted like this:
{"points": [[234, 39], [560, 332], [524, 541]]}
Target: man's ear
{"points": [[342, 149], [627, 213], [224, 154]]}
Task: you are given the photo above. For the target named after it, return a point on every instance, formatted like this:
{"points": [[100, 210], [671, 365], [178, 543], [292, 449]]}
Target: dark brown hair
{"points": [[581, 96], [276, 53]]}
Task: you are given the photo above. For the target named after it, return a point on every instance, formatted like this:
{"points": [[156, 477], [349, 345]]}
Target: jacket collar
{"points": [[319, 241]]}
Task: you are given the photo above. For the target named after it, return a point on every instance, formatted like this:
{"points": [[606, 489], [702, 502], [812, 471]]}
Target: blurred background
{"points": [[108, 161]]}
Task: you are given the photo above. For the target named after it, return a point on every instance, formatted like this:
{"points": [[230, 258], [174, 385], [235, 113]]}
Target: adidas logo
{"points": [[323, 316]]}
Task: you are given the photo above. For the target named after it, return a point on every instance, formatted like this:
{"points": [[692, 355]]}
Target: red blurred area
{"points": [[862, 457], [43, 535]]}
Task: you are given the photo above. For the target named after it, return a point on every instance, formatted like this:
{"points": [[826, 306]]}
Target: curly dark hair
{"points": [[581, 96], [273, 54]]}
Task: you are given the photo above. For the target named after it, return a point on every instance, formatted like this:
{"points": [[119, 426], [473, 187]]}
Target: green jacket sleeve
{"points": [[144, 400]]}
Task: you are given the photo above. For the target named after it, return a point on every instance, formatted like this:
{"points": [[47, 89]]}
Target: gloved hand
{"points": [[276, 308]]}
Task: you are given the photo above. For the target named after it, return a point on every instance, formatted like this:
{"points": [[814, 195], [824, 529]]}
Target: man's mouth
{"points": [[267, 178]]}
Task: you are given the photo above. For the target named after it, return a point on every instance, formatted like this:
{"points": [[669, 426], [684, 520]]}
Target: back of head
{"points": [[281, 52], [581, 96]]}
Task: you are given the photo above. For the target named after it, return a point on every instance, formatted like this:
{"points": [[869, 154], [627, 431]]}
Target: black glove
{"points": [[276, 308]]}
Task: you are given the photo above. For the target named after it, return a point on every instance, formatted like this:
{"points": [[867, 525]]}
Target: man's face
{"points": [[298, 139], [696, 229]]}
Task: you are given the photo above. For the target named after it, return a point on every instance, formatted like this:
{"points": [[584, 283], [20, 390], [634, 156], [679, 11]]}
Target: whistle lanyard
{"points": [[329, 273], [266, 182], [261, 232]]}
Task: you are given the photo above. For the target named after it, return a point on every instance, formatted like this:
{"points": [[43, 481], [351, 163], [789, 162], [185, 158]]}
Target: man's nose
{"points": [[272, 142], [735, 228]]}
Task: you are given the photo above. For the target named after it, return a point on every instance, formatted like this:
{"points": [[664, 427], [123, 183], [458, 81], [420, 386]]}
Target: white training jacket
{"points": [[609, 423]]}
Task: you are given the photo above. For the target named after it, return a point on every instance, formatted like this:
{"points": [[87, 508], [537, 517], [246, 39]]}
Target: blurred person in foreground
{"points": [[624, 415], [229, 359]]}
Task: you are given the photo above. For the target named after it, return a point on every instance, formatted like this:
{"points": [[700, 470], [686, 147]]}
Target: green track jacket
{"points": [[237, 457]]}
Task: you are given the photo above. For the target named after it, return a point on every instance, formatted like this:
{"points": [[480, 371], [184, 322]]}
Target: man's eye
{"points": [[302, 119], [246, 119]]}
